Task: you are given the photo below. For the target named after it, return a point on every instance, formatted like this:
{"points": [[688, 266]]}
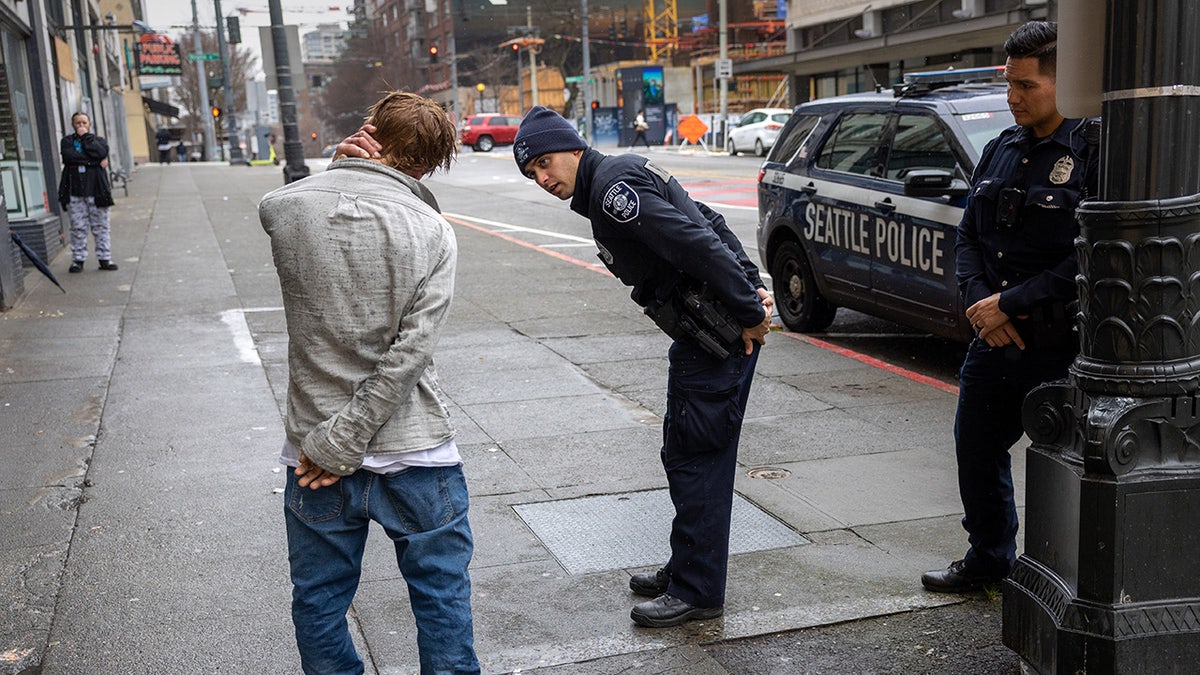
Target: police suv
{"points": [[860, 197]]}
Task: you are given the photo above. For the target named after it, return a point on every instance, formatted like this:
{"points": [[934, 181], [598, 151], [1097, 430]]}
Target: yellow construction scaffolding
{"points": [[662, 30]]}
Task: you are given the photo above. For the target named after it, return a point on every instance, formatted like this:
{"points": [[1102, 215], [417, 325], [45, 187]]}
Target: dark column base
{"points": [[1108, 582], [1057, 633]]}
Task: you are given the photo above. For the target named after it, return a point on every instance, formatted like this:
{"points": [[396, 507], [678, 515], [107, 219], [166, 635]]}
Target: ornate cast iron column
{"points": [[1110, 578]]}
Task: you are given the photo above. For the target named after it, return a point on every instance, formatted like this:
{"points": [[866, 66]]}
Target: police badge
{"points": [[1061, 173]]}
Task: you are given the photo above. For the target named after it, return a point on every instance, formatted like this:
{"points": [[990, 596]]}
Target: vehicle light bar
{"points": [[923, 82]]}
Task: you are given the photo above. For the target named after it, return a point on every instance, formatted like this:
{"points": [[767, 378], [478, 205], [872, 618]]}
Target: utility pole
{"points": [[235, 140], [210, 148], [722, 83], [454, 74], [532, 54], [587, 77], [293, 149]]}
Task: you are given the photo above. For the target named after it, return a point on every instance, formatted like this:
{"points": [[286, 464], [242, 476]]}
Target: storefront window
{"points": [[21, 175]]}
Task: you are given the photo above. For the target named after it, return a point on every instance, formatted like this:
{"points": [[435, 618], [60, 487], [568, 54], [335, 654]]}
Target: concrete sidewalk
{"points": [[141, 501]]}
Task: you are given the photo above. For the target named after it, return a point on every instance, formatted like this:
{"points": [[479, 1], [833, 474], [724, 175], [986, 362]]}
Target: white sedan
{"points": [[757, 129]]}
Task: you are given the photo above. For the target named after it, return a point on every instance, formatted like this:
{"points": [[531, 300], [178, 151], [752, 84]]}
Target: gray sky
{"points": [[174, 16]]}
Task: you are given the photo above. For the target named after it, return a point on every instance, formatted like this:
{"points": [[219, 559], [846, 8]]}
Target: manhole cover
{"points": [[768, 473]]}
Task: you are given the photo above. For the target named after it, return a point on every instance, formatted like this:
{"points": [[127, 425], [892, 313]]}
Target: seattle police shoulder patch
{"points": [[621, 202]]}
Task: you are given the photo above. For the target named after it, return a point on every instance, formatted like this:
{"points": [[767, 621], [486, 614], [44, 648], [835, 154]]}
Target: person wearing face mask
{"points": [[85, 193]]}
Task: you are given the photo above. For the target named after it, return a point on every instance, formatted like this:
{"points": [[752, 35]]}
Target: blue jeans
{"points": [[706, 401], [424, 511], [993, 384]]}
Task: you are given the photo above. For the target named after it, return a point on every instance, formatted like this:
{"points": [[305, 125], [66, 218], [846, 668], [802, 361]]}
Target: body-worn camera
{"points": [[1008, 208]]}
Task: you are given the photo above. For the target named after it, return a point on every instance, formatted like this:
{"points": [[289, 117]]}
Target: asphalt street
{"points": [[140, 424]]}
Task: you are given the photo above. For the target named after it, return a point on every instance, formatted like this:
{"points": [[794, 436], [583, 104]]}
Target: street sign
{"points": [[572, 79], [204, 57], [724, 68]]}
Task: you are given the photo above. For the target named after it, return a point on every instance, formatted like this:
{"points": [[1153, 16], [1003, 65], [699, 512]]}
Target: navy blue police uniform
{"points": [[1017, 239], [654, 237]]}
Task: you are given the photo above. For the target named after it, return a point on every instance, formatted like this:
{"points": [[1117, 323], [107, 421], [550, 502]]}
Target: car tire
{"points": [[733, 151], [800, 305], [759, 150], [484, 144]]}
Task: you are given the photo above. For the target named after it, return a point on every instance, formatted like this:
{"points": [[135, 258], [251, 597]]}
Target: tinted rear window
{"points": [[785, 148]]}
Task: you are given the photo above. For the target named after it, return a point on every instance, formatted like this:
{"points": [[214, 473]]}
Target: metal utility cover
{"points": [[632, 529]]}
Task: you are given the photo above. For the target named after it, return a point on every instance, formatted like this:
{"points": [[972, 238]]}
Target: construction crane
{"points": [[661, 29], [310, 9]]}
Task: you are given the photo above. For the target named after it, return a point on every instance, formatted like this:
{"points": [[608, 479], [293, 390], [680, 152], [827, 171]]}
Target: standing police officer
{"points": [[1016, 272], [690, 273]]}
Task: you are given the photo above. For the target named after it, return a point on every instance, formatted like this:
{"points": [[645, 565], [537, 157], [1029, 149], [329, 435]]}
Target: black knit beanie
{"points": [[543, 131]]}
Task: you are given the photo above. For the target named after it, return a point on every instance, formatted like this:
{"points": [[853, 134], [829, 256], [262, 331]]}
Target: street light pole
{"points": [[293, 149], [587, 76], [532, 55], [722, 83], [235, 145], [210, 148]]}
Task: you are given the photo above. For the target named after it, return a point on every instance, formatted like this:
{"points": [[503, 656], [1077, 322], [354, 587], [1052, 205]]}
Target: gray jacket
{"points": [[366, 265]]}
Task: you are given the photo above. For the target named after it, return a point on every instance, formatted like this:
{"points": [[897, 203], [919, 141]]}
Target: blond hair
{"points": [[416, 134]]}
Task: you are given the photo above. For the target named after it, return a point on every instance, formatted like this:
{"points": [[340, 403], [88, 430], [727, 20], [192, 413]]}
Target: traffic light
{"points": [[271, 139], [516, 47], [433, 53], [313, 135], [595, 104], [216, 112], [233, 26]]}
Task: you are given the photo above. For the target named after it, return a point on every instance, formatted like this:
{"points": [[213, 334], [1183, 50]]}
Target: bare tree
{"points": [[242, 64], [358, 80]]}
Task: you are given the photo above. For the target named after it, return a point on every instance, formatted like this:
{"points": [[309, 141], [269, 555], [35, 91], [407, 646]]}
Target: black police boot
{"points": [[649, 584], [108, 265], [76, 267], [668, 610], [957, 579]]}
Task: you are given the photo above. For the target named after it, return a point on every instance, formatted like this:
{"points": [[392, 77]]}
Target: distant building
{"points": [[324, 44]]}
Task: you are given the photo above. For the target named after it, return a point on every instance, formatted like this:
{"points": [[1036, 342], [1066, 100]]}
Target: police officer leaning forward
{"points": [[1016, 272], [655, 238]]}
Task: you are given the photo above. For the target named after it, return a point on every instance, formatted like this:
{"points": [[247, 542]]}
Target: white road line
{"points": [[509, 227]]}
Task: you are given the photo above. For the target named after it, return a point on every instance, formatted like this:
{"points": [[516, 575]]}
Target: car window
{"points": [[919, 143], [751, 119], [786, 148], [982, 127], [782, 118], [853, 146], [475, 120], [514, 121]]}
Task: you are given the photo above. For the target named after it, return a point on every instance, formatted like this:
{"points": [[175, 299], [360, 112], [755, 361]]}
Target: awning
{"points": [[160, 108]]}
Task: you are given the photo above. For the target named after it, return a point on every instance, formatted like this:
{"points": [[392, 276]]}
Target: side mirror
{"points": [[934, 183]]}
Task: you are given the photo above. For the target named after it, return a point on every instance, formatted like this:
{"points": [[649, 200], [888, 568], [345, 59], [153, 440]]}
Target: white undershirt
{"points": [[445, 454]]}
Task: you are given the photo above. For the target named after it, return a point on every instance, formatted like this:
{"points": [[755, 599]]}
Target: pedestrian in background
{"points": [[1016, 267], [366, 264], [181, 151], [84, 191], [674, 252], [163, 138], [641, 126]]}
